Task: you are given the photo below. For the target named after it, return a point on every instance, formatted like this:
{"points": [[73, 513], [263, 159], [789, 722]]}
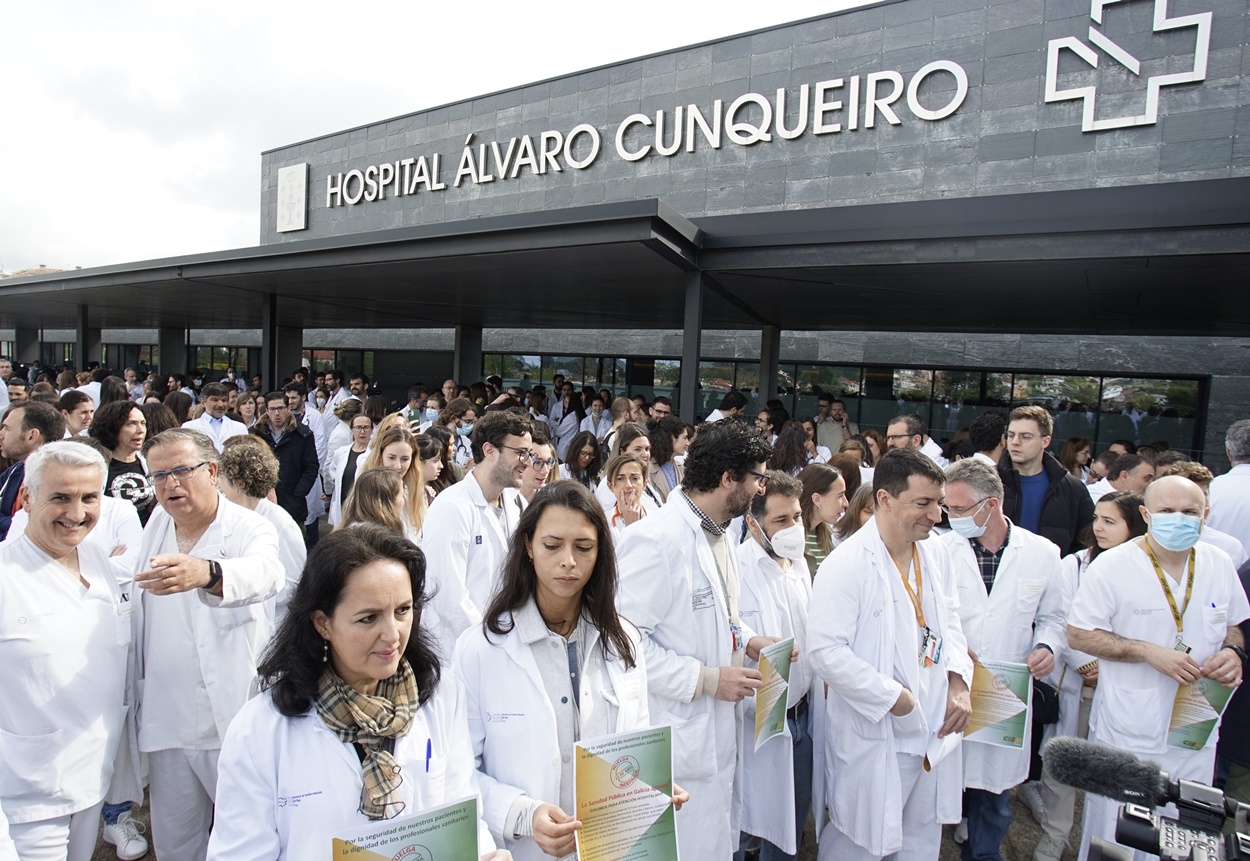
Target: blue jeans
{"points": [[989, 817], [801, 740], [110, 812]]}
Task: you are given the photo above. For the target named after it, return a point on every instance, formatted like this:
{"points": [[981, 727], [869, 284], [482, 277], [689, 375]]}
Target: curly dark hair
{"points": [[723, 447], [109, 420], [662, 433], [790, 450], [293, 662]]}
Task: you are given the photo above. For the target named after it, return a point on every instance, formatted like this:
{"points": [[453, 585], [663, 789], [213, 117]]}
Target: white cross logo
{"points": [[1089, 122]]}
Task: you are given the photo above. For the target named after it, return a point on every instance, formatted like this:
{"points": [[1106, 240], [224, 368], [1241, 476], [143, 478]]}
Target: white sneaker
{"points": [[1030, 794], [127, 835], [961, 832]]}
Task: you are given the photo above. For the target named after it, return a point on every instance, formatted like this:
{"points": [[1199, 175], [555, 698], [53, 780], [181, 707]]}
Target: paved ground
{"points": [[1018, 846]]}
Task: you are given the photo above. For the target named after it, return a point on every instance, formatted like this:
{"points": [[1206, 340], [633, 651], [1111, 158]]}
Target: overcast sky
{"points": [[133, 130]]}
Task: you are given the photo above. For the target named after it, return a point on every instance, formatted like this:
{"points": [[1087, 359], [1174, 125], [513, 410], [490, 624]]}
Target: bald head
{"points": [[1174, 493]]}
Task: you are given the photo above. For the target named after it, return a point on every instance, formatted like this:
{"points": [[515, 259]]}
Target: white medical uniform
{"points": [[287, 785], [1120, 592], [118, 525], [513, 722], [1028, 605], [197, 667], [291, 550], [1230, 503], [466, 540], [774, 603], [671, 588], [63, 648], [218, 431], [867, 648]]}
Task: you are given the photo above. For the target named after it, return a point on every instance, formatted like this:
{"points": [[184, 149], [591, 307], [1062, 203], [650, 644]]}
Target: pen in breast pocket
{"points": [[429, 751]]}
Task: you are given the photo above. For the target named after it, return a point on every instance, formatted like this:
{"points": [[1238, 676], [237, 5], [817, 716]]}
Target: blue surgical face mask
{"points": [[464, 430], [967, 526], [1175, 531], [431, 414]]}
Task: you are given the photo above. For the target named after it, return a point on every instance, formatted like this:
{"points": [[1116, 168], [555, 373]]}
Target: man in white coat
{"points": [[776, 593], [208, 568], [64, 639], [1230, 492], [1012, 605], [890, 647], [679, 585], [214, 423], [467, 528], [1158, 612]]}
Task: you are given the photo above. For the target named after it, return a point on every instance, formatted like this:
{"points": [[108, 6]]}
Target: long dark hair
{"points": [[517, 581], [448, 476], [1129, 505], [576, 407], [589, 476], [294, 661], [663, 433], [179, 404], [790, 449]]}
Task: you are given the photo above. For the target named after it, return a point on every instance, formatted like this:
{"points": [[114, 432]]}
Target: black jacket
{"points": [[297, 468], [1066, 509]]}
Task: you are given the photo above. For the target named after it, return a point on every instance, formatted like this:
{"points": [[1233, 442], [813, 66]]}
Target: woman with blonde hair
{"points": [[396, 449], [377, 497]]}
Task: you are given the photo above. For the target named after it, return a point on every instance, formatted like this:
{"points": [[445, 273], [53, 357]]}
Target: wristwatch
{"points": [[214, 575], [1237, 650]]}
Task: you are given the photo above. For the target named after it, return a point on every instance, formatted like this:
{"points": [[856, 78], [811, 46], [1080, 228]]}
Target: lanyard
{"points": [[1177, 615], [916, 595]]}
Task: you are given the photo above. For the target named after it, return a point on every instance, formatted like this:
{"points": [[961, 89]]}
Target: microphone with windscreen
{"points": [[1141, 786]]}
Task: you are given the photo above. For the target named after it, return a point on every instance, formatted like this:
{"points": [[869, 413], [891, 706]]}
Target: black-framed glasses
{"points": [[543, 462], [182, 473], [762, 476], [523, 455]]}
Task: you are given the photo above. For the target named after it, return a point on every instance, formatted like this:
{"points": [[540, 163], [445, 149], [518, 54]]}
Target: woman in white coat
{"points": [[352, 689], [555, 609], [340, 473]]}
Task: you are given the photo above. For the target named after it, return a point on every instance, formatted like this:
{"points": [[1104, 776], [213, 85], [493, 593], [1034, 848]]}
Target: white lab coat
{"points": [[1028, 605], [229, 632], [1224, 541], [229, 428], [766, 776], [600, 430], [63, 650], [291, 550], [671, 589], [465, 545], [340, 435], [1120, 593], [118, 525], [564, 432], [1230, 504], [1064, 677], [333, 479], [863, 635], [286, 785], [512, 722]]}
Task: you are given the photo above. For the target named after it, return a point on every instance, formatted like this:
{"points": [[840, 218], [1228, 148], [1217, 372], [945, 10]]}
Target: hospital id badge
{"points": [[930, 648], [1180, 645], [736, 632]]}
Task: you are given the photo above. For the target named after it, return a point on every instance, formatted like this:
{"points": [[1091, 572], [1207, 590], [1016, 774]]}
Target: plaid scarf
{"points": [[369, 721]]}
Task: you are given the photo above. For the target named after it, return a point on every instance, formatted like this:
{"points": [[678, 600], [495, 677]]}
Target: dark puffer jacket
{"points": [[297, 467], [1066, 509]]}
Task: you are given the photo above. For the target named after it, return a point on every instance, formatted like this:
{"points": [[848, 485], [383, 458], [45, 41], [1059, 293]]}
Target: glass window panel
{"points": [[843, 381], [668, 379], [1148, 411], [747, 381], [569, 366], [715, 379], [366, 362]]}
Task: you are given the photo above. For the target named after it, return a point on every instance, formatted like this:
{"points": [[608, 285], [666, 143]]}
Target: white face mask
{"points": [[787, 543], [967, 526]]}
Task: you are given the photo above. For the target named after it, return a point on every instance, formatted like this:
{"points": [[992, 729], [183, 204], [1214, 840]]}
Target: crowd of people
{"points": [[508, 573]]}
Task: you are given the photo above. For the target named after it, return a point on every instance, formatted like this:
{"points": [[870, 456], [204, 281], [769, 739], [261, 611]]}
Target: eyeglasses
{"points": [[182, 473], [762, 476], [662, 411], [540, 463], [900, 436], [366, 428], [973, 509], [523, 455], [276, 410]]}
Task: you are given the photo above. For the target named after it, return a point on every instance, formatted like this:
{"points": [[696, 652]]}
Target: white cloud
{"points": [[133, 130]]}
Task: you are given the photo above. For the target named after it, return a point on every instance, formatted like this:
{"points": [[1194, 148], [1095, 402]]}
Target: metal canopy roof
{"points": [[1162, 259]]}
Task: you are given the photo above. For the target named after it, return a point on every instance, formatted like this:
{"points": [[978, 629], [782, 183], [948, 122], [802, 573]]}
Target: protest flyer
{"points": [[624, 792], [1001, 696], [1195, 712], [771, 696], [446, 833]]}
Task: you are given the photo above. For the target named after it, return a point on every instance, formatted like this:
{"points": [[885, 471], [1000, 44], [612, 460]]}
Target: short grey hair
{"points": [[203, 446], [63, 453], [1237, 441], [978, 475]]}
